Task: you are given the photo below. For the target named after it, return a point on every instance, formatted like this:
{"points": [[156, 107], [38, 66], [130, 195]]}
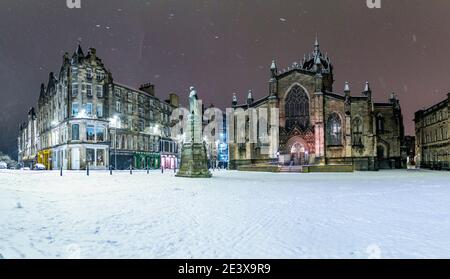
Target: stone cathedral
{"points": [[321, 127]]}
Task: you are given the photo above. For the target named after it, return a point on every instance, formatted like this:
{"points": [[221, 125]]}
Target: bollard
{"points": [[87, 169], [60, 171], [110, 170], [174, 170], [131, 169], [162, 169], [147, 170]]}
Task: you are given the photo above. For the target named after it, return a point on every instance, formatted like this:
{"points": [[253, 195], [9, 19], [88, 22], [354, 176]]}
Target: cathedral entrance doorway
{"points": [[297, 152], [299, 155]]}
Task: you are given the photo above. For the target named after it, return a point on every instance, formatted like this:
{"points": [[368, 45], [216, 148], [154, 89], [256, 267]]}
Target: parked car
{"points": [[39, 167], [3, 165]]}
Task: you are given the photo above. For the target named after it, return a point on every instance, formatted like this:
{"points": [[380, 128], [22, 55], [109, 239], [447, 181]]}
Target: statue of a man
{"points": [[193, 101]]}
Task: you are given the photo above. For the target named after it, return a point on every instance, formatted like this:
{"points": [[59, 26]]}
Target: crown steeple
{"points": [[316, 61]]}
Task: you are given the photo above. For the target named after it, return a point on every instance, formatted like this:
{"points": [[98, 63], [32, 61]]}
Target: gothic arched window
{"points": [[380, 124], [297, 109], [334, 130], [357, 131]]}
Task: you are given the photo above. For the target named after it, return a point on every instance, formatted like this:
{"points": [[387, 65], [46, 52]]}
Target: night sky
{"points": [[226, 46]]}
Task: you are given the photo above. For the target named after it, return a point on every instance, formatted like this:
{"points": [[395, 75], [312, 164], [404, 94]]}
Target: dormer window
{"points": [[99, 76]]}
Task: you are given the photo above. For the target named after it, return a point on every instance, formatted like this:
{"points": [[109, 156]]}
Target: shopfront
{"points": [[169, 161], [144, 159], [45, 158]]}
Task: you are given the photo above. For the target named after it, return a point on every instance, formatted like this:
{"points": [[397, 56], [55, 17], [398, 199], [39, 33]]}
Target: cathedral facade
{"points": [[319, 126]]}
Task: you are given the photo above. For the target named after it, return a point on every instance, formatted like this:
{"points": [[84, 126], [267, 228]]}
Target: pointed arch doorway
{"points": [[299, 154], [298, 151]]}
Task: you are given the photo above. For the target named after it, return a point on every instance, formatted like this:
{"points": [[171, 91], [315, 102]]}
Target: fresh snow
{"points": [[386, 214]]}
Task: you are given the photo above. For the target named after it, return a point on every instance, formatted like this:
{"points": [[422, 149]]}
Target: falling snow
{"points": [[387, 214]]}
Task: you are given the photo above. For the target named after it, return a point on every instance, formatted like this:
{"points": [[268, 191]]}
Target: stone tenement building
{"points": [[432, 140], [84, 117], [319, 126]]}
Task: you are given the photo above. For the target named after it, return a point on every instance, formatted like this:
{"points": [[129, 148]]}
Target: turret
{"points": [[42, 93], [235, 101], [347, 89], [250, 98], [393, 98], [51, 86], [273, 68], [78, 55], [367, 91], [347, 105]]}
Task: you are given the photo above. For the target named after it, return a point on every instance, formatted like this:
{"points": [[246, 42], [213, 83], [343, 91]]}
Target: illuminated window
{"points": [[334, 130], [90, 134], [75, 109], [297, 109]]}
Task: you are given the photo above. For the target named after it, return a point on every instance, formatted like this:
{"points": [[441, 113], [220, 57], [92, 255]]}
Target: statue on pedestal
{"points": [[194, 161]]}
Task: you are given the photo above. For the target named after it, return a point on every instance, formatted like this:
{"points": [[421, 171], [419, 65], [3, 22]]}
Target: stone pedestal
{"points": [[194, 162]]}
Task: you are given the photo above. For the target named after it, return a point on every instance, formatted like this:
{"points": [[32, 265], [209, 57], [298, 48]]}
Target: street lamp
{"points": [[115, 123]]}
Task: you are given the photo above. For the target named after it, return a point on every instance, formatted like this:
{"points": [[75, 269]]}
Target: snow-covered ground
{"points": [[388, 214]]}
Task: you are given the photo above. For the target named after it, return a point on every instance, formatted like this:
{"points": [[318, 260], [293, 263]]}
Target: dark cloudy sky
{"points": [[225, 46]]}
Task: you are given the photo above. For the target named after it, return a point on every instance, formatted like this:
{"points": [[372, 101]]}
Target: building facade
{"points": [[432, 136], [318, 126], [85, 118], [27, 141]]}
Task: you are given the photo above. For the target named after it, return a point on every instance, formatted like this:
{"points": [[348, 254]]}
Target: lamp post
{"points": [[115, 149], [115, 123]]}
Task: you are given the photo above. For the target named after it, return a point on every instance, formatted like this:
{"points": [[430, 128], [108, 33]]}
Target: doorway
{"points": [[299, 155], [75, 158]]}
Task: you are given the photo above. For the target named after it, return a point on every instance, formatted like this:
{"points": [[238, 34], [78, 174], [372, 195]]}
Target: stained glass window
{"points": [[297, 109], [334, 130]]}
